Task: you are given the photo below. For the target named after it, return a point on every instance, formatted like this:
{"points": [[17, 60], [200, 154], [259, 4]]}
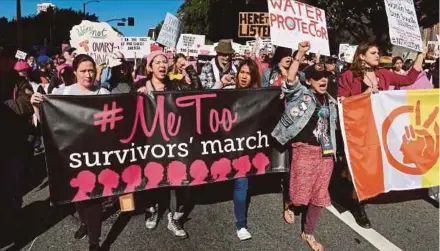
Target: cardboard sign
{"points": [[20, 55], [251, 24], [133, 47], [293, 22], [404, 27], [170, 31], [190, 44]]}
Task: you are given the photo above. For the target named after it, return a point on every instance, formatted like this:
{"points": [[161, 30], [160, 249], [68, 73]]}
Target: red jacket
{"points": [[348, 85]]}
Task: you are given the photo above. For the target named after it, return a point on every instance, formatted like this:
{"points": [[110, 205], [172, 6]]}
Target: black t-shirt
{"points": [[306, 135]]}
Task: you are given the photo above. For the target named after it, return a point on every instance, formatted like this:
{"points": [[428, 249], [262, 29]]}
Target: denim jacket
{"points": [[301, 105]]}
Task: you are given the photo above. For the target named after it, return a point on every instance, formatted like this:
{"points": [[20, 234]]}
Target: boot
{"points": [[360, 215]]}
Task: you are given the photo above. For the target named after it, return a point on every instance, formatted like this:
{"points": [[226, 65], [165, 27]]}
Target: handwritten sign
{"points": [[251, 24], [404, 27], [133, 47], [190, 44], [170, 31], [101, 50], [293, 22], [20, 55]]}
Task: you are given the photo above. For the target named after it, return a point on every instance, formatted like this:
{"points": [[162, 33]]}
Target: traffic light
{"points": [[130, 21]]}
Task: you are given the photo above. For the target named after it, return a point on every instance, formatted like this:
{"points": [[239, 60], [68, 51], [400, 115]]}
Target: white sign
{"points": [[20, 55], [343, 48], [97, 40], [90, 30], [190, 44], [404, 28], [293, 22], [349, 53], [137, 47], [170, 31]]}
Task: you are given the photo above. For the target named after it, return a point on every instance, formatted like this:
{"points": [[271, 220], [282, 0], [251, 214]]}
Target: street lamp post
{"points": [[84, 5]]}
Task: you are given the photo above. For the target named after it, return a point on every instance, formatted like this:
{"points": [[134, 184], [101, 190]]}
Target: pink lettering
{"points": [[158, 117], [227, 120], [188, 101]]}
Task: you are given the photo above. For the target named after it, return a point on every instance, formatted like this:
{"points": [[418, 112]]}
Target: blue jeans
{"points": [[240, 198]]}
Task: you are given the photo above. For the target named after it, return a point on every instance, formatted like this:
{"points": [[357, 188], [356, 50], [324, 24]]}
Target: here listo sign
{"points": [[251, 24]]}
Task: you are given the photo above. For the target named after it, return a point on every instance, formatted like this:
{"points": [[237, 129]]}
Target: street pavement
{"points": [[401, 221]]}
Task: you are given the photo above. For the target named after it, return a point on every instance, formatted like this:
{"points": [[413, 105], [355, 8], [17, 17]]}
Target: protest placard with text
{"points": [[403, 24], [293, 22], [133, 47], [20, 55], [190, 44], [170, 31], [251, 24]]}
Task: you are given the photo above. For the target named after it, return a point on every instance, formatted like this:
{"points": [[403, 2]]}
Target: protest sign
{"points": [[293, 22], [133, 47], [251, 24], [349, 53], [170, 31], [91, 30], [433, 50], [102, 50], [403, 24], [20, 55], [97, 40], [207, 50], [343, 48], [190, 44], [127, 142]]}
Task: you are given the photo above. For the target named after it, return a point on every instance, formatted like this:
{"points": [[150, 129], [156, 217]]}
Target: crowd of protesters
{"points": [[307, 144]]}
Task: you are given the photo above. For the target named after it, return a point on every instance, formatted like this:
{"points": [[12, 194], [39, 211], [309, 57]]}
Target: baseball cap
{"points": [[316, 72]]}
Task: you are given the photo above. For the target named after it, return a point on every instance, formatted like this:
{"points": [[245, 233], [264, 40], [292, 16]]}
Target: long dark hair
{"points": [[357, 67], [255, 74]]}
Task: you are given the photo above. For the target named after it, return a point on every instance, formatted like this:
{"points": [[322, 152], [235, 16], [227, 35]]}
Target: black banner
{"points": [[104, 145]]}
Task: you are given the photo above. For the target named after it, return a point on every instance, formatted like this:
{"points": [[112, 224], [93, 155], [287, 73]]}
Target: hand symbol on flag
{"points": [[420, 146]]}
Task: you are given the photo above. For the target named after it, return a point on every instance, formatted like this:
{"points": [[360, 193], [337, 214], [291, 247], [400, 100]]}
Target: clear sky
{"points": [[147, 13]]}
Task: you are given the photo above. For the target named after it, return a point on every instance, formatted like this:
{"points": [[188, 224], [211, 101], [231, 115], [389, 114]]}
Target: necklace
{"points": [[324, 111]]}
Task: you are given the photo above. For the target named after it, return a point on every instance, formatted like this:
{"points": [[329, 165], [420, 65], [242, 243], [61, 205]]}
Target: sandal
{"points": [[313, 244], [289, 216]]}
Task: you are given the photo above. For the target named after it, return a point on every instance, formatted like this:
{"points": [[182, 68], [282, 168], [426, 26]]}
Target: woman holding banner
{"points": [[89, 211], [159, 81], [247, 77], [364, 76]]}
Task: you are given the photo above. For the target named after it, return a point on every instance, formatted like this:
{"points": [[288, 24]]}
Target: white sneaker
{"points": [[243, 234], [176, 227], [152, 217]]}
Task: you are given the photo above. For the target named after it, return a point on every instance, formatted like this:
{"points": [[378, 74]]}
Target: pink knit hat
{"points": [[21, 66], [154, 54]]}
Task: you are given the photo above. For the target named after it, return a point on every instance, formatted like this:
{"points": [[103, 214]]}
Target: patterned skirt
{"points": [[310, 175]]}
